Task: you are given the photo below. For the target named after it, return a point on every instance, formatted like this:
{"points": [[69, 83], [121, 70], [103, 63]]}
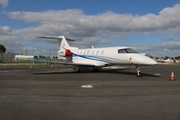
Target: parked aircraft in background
{"points": [[23, 57], [164, 61], [97, 58]]}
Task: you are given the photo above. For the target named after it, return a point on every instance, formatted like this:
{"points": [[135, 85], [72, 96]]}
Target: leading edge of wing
{"points": [[65, 63]]}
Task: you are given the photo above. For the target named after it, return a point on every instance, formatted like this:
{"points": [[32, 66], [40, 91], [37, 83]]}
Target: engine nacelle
{"points": [[64, 53]]}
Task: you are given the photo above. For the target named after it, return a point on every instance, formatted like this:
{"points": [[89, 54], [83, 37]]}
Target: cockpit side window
{"points": [[122, 51], [128, 50]]}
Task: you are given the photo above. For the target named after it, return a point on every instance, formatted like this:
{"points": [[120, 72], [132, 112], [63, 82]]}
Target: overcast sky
{"points": [[149, 26]]}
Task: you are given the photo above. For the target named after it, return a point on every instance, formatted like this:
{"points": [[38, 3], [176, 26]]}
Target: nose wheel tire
{"points": [[138, 74], [138, 71]]}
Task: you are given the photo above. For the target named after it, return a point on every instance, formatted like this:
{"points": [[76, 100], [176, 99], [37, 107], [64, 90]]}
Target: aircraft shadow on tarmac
{"points": [[103, 71], [132, 73]]}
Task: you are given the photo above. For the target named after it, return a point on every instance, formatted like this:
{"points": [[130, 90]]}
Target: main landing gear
{"points": [[138, 71], [77, 69]]}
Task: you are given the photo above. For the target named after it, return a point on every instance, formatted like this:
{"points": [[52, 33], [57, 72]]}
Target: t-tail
{"points": [[64, 48]]}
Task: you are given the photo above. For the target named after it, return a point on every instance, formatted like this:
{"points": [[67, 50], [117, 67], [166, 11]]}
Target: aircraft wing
{"points": [[61, 62]]}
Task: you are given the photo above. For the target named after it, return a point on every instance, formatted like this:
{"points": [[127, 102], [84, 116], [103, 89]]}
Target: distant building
{"points": [[9, 56]]}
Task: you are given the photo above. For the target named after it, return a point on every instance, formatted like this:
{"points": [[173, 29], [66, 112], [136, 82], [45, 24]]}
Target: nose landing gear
{"points": [[138, 71]]}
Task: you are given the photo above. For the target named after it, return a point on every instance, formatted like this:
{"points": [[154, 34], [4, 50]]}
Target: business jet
{"points": [[98, 58], [164, 61]]}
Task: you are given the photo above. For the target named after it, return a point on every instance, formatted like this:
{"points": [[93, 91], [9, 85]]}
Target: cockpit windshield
{"points": [[128, 50]]}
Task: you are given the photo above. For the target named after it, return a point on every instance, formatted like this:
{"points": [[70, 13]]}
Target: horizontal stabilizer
{"points": [[55, 37]]}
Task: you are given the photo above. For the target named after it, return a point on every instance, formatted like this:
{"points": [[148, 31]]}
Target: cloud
{"points": [[78, 23], [94, 29], [169, 48], [170, 38], [4, 3], [5, 29], [6, 34]]}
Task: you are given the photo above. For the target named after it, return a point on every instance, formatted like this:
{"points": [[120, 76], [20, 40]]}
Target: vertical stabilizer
{"points": [[63, 44]]}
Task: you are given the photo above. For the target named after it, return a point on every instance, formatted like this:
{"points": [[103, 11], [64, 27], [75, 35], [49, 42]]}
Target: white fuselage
{"points": [[110, 56], [99, 57]]}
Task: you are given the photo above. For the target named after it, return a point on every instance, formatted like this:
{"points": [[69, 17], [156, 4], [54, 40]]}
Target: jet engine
{"points": [[64, 53]]}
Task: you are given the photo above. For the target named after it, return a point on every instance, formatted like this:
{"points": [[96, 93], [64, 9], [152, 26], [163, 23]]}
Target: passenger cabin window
{"points": [[102, 52], [128, 50], [88, 52]]}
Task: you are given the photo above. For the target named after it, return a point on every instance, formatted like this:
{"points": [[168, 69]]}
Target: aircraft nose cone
{"points": [[143, 60], [152, 62], [147, 61]]}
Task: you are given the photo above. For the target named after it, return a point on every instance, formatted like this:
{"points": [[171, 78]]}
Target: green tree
{"points": [[166, 57], [2, 50]]}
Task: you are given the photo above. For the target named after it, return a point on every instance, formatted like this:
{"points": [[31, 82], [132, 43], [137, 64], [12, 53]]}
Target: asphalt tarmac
{"points": [[58, 94]]}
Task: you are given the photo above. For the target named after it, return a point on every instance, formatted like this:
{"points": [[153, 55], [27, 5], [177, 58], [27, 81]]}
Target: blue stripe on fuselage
{"points": [[105, 59]]}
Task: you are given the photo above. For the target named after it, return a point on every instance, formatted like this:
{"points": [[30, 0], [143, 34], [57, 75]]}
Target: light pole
{"points": [[40, 52], [49, 53], [33, 51], [25, 52], [11, 54]]}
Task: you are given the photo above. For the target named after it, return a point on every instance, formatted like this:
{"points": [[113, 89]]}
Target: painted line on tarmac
{"points": [[91, 85], [157, 74], [87, 86]]}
